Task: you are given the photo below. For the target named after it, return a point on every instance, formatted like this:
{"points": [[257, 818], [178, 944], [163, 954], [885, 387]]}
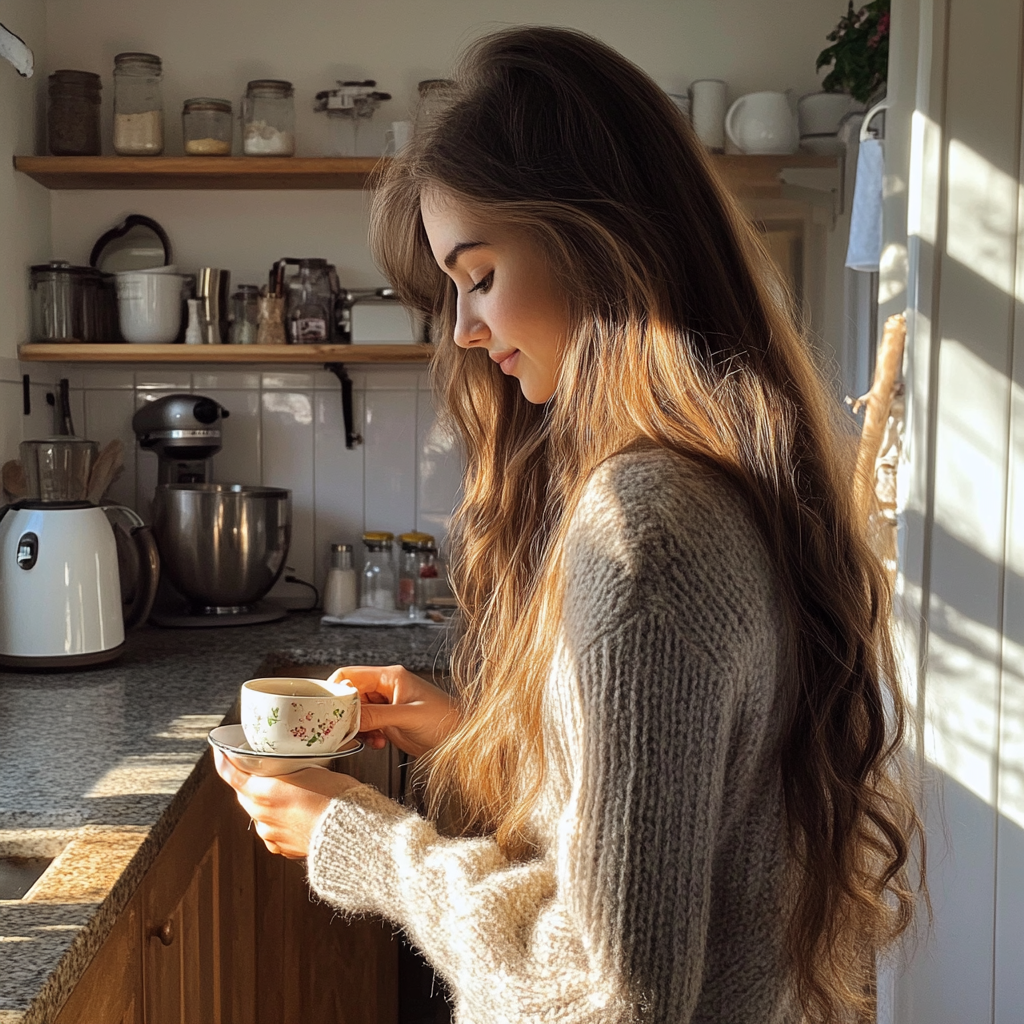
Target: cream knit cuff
{"points": [[350, 852]]}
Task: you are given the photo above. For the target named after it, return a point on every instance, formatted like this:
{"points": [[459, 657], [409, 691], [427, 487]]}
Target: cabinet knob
{"points": [[164, 932]]}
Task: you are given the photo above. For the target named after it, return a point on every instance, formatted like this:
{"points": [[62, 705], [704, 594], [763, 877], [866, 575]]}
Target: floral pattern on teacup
{"points": [[312, 728]]}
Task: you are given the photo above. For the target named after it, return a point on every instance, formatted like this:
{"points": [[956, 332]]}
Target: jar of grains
{"points": [[138, 105], [268, 118], [206, 127], [73, 116]]}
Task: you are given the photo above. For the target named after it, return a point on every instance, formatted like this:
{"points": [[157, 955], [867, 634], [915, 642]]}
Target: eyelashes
{"points": [[484, 283]]}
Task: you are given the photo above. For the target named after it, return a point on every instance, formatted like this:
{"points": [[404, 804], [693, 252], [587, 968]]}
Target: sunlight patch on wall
{"points": [[970, 471], [962, 716], [981, 228]]}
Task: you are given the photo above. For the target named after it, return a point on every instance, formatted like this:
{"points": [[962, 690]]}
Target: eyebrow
{"points": [[457, 250]]}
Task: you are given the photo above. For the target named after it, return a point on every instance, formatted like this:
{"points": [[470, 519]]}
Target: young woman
{"points": [[672, 751]]}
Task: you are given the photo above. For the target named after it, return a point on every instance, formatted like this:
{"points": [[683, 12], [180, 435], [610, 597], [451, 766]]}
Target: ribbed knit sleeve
{"points": [[659, 895]]}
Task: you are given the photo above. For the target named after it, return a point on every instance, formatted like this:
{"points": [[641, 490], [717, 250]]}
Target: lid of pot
{"points": [[137, 243], [59, 267]]}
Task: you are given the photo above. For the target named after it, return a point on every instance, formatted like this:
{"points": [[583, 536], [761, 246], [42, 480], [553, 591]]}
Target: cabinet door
{"points": [[111, 988], [197, 946]]}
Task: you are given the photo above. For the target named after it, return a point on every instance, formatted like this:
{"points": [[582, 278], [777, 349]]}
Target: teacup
{"points": [[298, 716]]}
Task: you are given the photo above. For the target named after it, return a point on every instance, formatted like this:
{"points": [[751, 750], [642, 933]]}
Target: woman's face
{"points": [[508, 300]]}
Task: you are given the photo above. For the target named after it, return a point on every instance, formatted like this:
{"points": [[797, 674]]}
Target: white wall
{"points": [[24, 210], [955, 168], [404, 475]]}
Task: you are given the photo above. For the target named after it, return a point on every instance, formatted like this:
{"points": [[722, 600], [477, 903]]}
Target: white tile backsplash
{"points": [[287, 445], [389, 473], [338, 480], [285, 429]]}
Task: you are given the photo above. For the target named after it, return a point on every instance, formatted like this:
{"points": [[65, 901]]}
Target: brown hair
{"points": [[681, 336]]}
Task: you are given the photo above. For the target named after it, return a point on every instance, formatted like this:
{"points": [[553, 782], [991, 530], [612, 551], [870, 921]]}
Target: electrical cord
{"points": [[304, 583]]}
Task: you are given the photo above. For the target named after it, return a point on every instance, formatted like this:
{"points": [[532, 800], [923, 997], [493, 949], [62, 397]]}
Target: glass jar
{"points": [[73, 116], [435, 94], [378, 578], [415, 550], [206, 127], [268, 118], [340, 586], [138, 105], [245, 315]]}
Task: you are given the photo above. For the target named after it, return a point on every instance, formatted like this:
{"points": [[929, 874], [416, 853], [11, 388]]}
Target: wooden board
{"points": [[94, 352]]}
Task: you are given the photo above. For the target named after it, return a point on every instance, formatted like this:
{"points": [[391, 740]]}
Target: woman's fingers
{"points": [[369, 679]]}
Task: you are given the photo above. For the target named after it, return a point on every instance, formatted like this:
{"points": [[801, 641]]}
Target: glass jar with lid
{"points": [[73, 115], [417, 549], [268, 118], [206, 127], [378, 577], [138, 105], [245, 315]]}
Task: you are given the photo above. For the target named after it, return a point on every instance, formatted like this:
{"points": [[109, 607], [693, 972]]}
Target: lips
{"points": [[506, 360]]}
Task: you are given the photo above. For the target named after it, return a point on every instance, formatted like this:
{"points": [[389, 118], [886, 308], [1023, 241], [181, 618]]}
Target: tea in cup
{"points": [[299, 716]]}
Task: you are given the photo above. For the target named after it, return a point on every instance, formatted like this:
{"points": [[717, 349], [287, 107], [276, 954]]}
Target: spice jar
{"points": [[245, 315], [73, 116], [206, 127], [378, 578], [417, 548], [268, 117], [138, 105]]}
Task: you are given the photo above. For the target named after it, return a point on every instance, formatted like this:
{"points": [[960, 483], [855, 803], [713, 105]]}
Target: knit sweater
{"points": [[659, 889]]}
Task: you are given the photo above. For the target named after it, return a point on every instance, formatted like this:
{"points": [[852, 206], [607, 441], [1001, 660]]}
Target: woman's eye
{"points": [[483, 284]]}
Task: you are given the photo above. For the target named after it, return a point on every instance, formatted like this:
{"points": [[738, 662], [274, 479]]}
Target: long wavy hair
{"points": [[681, 336]]}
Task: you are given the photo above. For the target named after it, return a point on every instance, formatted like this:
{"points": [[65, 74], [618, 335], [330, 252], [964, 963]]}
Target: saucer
{"points": [[230, 740]]}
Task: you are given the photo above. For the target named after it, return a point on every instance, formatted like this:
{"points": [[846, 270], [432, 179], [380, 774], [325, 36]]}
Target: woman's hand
{"points": [[401, 708], [284, 809]]}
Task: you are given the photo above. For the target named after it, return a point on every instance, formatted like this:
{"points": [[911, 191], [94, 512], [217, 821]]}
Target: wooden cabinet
{"points": [[222, 932]]}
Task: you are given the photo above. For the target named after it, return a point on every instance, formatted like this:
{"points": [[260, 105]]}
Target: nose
{"points": [[470, 328]]}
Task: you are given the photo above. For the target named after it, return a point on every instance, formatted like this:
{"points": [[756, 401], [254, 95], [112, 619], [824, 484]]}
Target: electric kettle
{"points": [[73, 575]]}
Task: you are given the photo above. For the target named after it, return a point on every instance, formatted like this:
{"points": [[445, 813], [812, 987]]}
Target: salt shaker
{"points": [[340, 588]]}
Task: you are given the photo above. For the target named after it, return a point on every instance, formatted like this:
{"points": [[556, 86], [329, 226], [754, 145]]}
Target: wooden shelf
{"points": [[746, 175], [100, 353], [198, 172]]}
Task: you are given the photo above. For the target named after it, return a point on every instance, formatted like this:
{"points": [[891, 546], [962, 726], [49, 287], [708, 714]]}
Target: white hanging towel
{"points": [[865, 248]]}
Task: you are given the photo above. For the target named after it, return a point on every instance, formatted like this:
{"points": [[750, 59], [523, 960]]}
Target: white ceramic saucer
{"points": [[231, 741]]}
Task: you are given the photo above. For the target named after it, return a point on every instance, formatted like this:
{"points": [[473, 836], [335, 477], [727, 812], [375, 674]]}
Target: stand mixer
{"points": [[223, 546]]}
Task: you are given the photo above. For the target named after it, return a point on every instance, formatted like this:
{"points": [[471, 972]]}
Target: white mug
{"points": [[707, 112], [399, 135], [762, 122]]}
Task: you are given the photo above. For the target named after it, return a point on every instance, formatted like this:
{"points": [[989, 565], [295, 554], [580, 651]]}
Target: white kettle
{"points": [[762, 122], [61, 603]]}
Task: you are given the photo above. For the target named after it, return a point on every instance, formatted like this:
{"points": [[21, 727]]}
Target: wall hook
{"points": [[351, 437]]}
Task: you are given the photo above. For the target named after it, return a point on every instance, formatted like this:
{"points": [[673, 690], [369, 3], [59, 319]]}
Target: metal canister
{"points": [[72, 303]]}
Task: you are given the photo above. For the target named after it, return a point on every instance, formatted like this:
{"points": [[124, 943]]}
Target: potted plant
{"points": [[859, 57], [859, 54]]}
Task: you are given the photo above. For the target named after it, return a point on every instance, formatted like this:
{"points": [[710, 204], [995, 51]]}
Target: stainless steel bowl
{"points": [[222, 545]]}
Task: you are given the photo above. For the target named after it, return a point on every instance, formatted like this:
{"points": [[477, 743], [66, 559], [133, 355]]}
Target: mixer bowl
{"points": [[223, 546]]}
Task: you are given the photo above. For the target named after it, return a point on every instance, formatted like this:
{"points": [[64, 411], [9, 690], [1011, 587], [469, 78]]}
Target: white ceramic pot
{"points": [[762, 122], [819, 113], [149, 306]]}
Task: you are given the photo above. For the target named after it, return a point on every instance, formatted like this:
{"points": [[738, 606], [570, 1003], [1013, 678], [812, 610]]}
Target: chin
{"points": [[536, 392]]}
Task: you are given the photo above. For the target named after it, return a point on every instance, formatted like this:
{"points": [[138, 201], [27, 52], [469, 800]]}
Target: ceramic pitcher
{"points": [[762, 122]]}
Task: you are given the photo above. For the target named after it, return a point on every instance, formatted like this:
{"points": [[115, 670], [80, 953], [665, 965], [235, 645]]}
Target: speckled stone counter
{"points": [[99, 764]]}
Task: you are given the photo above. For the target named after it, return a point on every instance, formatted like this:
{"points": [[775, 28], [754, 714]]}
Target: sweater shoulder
{"points": [[657, 534]]}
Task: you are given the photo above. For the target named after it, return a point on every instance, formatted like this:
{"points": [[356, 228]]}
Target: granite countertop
{"points": [[99, 764]]}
